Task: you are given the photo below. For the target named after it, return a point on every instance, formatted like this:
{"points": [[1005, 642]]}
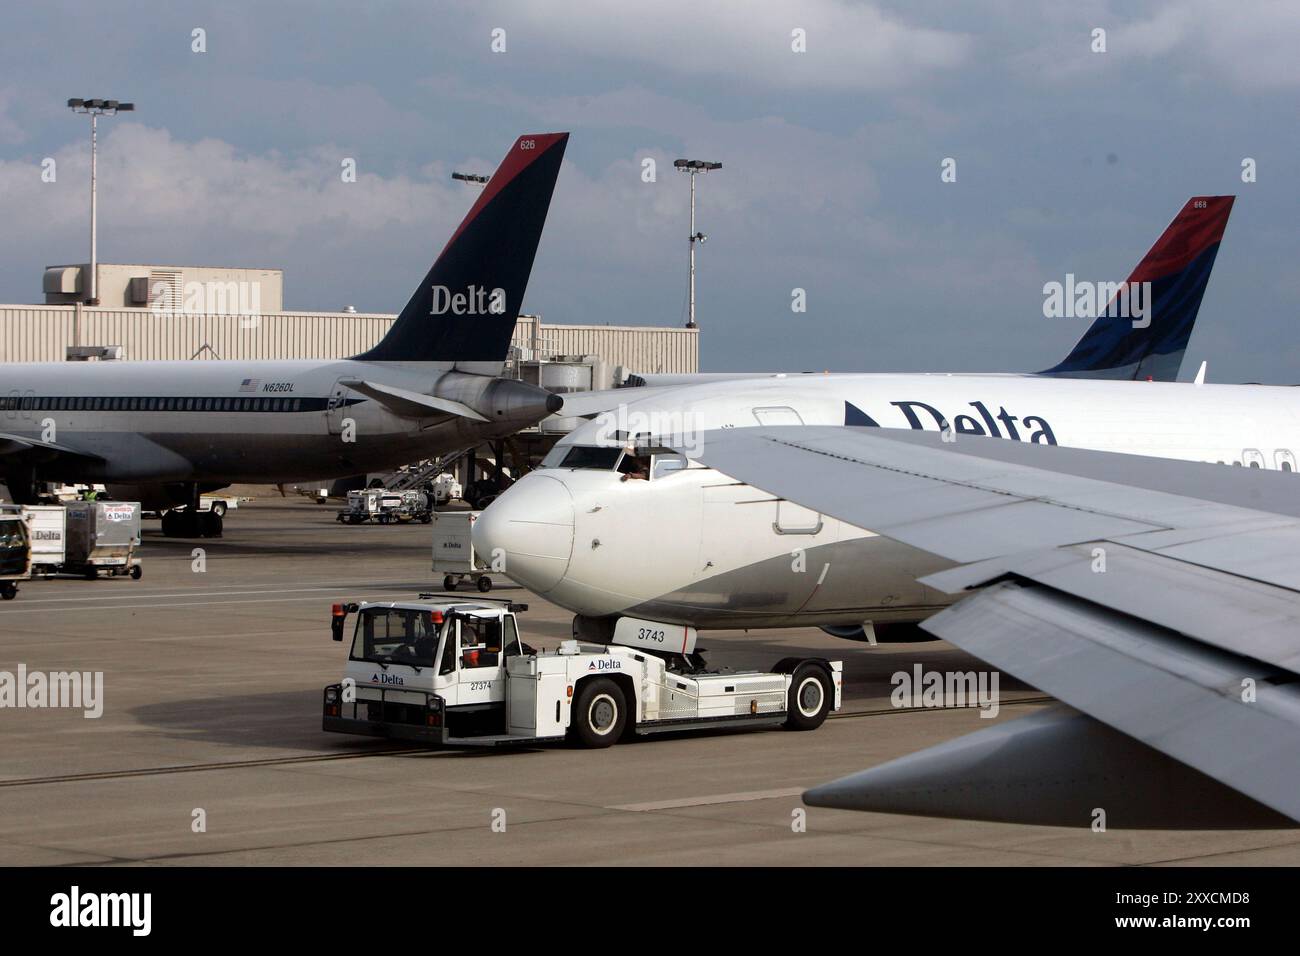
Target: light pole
{"points": [[95, 109], [694, 166]]}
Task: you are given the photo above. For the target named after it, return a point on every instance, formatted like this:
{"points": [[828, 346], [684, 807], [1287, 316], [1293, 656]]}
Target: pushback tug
{"points": [[456, 673]]}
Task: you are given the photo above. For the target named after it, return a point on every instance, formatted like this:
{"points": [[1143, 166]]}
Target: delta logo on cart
{"points": [[605, 665], [377, 678], [119, 512]]}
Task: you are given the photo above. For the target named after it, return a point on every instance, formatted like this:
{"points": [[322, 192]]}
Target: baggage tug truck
{"points": [[449, 673]]}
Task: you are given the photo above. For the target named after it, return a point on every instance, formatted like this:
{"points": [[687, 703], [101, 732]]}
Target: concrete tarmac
{"points": [[212, 694]]}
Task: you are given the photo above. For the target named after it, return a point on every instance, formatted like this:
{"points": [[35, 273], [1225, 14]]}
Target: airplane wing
{"points": [[16, 446], [409, 404], [1159, 598]]}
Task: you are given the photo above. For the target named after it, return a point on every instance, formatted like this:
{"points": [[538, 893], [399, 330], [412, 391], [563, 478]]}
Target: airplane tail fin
{"points": [[463, 314], [1178, 269]]}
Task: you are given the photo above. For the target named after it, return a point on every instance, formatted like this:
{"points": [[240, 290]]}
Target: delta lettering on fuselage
{"points": [[1032, 428]]}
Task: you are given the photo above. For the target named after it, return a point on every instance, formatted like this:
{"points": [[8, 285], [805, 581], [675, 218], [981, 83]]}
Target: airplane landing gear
{"points": [[190, 522], [23, 486], [183, 523]]}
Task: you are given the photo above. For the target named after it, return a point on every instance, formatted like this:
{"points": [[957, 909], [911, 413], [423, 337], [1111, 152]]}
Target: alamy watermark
{"points": [[208, 298], [73, 690], [677, 430], [128, 910], [922, 688], [1081, 299]]}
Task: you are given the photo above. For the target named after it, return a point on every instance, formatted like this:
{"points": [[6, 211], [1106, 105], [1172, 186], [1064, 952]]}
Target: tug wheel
{"points": [[810, 699], [599, 713]]}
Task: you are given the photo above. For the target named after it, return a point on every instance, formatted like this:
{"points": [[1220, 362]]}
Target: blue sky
{"points": [[1067, 160]]}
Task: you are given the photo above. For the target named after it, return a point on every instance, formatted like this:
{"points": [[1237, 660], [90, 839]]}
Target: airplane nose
{"points": [[530, 529]]}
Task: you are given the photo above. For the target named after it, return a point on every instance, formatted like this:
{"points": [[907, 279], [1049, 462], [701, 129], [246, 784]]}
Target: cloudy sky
{"points": [[1067, 160]]}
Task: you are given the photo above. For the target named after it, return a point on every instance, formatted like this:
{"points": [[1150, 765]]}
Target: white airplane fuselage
{"points": [[156, 422], [692, 546]]}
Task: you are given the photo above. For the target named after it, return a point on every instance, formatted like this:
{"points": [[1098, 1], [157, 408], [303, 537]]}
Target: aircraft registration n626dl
{"points": [[691, 546]]}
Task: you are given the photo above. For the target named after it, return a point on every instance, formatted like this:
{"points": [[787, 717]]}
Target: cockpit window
{"points": [[587, 456], [635, 466], [666, 464]]}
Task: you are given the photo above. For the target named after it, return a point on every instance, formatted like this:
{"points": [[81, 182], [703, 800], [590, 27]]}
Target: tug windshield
{"points": [[396, 636]]}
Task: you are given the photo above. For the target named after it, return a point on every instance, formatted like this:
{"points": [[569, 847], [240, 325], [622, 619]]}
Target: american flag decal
{"points": [[248, 385]]}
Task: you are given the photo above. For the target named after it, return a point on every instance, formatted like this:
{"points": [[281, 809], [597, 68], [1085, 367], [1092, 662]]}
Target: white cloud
{"points": [[174, 189], [850, 46], [1251, 44], [167, 201], [10, 130]]}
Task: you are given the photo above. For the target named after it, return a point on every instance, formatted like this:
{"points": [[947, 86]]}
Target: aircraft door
{"points": [[796, 519], [777, 415], [336, 407]]}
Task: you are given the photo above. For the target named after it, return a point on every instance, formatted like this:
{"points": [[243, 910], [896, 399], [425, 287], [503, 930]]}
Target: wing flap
{"points": [[1183, 699], [1264, 554], [1187, 598]]}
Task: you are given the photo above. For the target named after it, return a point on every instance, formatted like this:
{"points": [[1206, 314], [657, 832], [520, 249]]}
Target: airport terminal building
{"points": [[179, 313]]}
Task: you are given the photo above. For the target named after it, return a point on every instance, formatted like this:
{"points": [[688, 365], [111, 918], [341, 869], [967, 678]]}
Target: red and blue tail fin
{"points": [[464, 311], [1178, 267]]}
